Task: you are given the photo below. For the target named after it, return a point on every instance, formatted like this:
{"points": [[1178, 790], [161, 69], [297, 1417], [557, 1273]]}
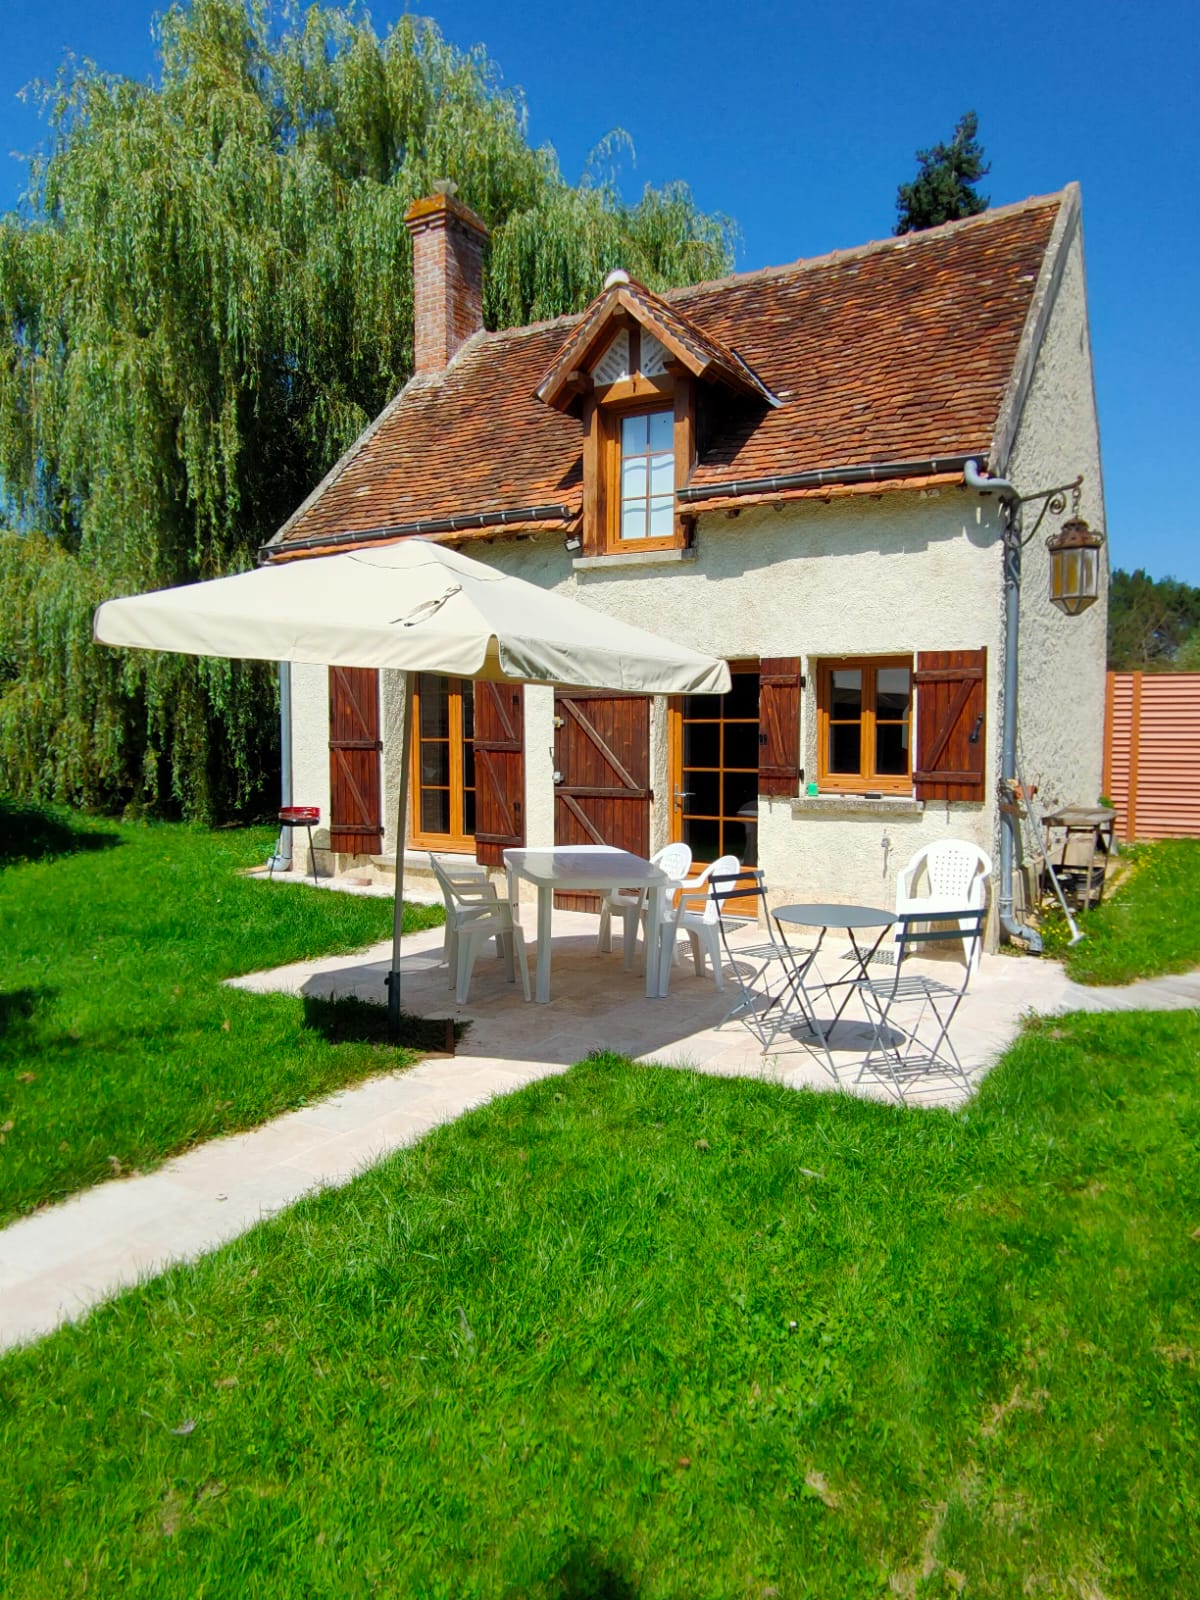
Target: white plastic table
{"points": [[583, 868]]}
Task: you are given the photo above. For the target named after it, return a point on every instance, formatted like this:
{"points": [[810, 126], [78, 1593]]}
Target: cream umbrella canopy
{"points": [[410, 607]]}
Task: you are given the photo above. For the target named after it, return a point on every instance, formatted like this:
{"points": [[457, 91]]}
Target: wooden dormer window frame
{"points": [[605, 409]]}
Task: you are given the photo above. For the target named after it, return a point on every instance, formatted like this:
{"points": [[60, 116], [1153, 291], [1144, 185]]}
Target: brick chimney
{"points": [[448, 241]]}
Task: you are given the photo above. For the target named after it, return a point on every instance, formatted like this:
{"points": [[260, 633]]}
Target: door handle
{"points": [[683, 794]]}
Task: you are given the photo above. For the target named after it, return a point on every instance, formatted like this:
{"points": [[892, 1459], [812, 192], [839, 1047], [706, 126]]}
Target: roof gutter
{"points": [[1011, 503], [871, 472], [398, 530]]}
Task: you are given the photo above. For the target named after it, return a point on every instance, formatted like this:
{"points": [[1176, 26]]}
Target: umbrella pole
{"points": [[393, 977]]}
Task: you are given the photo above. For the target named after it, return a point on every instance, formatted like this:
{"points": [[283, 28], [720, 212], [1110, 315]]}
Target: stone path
{"points": [[61, 1261]]}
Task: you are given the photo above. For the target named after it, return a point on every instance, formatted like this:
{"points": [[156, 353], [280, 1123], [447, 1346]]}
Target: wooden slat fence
{"points": [[1152, 753]]}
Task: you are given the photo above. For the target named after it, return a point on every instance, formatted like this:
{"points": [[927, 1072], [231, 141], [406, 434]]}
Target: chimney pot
{"points": [[448, 240]]}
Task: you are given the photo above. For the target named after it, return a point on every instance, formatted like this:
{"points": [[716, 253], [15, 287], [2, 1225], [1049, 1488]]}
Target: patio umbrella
{"points": [[412, 607]]}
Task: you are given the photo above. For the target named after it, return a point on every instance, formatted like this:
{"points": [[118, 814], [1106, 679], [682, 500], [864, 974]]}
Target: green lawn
{"points": [[118, 1042], [1149, 926], [636, 1332]]}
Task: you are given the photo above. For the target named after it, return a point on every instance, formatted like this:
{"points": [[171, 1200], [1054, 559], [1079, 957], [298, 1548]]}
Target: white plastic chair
{"points": [[698, 914], [478, 914], [630, 905], [956, 874], [457, 872]]}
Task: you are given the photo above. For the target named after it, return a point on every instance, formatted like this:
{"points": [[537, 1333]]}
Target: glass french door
{"points": [[714, 771], [443, 775]]}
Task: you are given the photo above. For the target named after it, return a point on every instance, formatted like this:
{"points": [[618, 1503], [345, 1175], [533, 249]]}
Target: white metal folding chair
{"points": [[941, 875], [783, 1001], [630, 904], [910, 1013]]}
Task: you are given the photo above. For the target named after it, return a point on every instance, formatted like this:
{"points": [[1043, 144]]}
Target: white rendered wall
{"points": [[1062, 659], [310, 754]]}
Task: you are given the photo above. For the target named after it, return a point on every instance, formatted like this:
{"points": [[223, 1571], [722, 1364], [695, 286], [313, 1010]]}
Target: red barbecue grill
{"points": [[306, 817]]}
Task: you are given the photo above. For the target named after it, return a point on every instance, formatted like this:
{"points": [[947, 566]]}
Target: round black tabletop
{"points": [[836, 916]]}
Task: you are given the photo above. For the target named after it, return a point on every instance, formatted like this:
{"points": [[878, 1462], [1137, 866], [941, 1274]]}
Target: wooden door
{"points": [[355, 823], [602, 787]]}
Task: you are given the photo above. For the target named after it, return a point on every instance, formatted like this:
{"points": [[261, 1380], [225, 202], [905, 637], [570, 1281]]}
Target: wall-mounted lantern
{"points": [[1074, 566]]}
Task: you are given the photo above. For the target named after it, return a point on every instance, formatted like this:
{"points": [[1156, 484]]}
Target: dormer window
{"points": [[631, 370], [646, 491]]}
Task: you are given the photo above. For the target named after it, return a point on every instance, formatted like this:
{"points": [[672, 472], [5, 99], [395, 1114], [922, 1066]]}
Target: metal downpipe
{"points": [[1008, 746]]}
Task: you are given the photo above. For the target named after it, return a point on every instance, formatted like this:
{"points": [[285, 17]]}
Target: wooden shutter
{"points": [[951, 728], [499, 770], [779, 726], [355, 823]]}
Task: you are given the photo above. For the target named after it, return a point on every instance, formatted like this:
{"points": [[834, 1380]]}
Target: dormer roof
{"points": [[621, 302]]}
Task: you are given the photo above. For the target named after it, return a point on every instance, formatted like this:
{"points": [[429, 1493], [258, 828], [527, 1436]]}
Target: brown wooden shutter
{"points": [[499, 770], [951, 727], [779, 725], [355, 823]]}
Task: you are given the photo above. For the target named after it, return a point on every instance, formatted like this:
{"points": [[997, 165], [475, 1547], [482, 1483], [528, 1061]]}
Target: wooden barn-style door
{"points": [[602, 776], [355, 825]]}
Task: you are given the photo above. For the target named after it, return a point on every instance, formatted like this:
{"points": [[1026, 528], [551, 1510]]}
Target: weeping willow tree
{"points": [[203, 300]]}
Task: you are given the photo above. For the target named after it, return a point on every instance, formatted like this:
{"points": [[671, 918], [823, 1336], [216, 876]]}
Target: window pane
{"points": [[633, 520], [741, 789], [661, 430], [705, 798], [435, 811], [741, 744], [435, 763], [434, 692], [662, 475], [891, 748], [704, 705], [661, 518], [701, 745], [742, 699], [845, 747], [846, 693], [468, 766], [704, 839], [891, 693], [469, 811], [633, 478], [634, 436]]}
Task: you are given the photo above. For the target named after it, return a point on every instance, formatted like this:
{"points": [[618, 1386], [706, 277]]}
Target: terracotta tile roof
{"points": [[898, 351]]}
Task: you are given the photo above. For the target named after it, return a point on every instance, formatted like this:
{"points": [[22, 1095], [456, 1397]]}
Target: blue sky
{"points": [[799, 121]]}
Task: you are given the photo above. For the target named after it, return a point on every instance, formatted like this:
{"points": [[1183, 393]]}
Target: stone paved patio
{"points": [[61, 1261]]}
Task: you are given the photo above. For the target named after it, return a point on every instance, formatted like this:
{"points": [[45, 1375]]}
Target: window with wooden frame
{"points": [[443, 763], [639, 447], [864, 724]]}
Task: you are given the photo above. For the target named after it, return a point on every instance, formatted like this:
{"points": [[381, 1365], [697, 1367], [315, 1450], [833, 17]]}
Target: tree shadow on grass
{"points": [[347, 1020], [39, 833], [590, 1574], [17, 1007]]}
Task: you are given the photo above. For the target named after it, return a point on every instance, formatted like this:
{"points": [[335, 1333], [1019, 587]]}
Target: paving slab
{"points": [[57, 1264]]}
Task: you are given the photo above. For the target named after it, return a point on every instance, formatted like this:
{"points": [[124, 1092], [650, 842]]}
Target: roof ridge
{"points": [[870, 247]]}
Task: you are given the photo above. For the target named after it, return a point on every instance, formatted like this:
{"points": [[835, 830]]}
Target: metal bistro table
{"points": [[572, 869], [854, 919]]}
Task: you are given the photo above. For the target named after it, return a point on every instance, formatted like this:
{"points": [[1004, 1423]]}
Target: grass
{"points": [[639, 1333], [119, 1044], [1148, 928]]}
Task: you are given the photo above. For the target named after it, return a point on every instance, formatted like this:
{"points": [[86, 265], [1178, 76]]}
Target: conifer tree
{"points": [[942, 190], [205, 297]]}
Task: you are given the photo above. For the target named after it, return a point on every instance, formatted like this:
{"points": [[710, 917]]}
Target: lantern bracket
{"points": [[1053, 501]]}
